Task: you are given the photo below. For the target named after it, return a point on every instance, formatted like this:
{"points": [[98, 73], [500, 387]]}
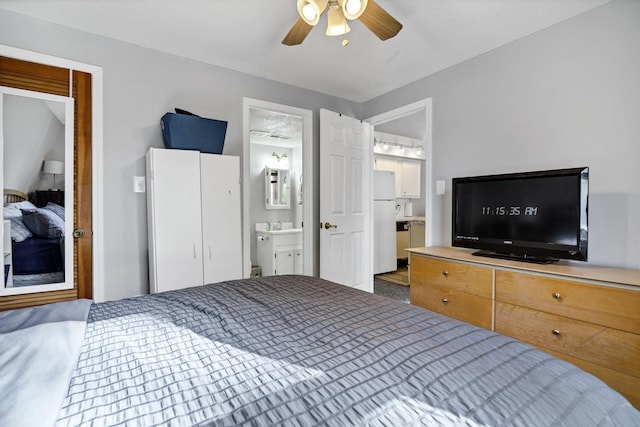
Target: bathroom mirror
{"points": [[36, 152], [277, 188]]}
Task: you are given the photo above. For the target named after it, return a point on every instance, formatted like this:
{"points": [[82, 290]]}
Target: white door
{"points": [[221, 227], [345, 200], [174, 219]]}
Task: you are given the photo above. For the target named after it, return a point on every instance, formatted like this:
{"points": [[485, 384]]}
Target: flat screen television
{"points": [[533, 216]]}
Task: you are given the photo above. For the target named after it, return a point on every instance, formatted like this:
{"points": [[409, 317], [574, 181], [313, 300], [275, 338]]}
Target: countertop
{"points": [[410, 218], [571, 269]]}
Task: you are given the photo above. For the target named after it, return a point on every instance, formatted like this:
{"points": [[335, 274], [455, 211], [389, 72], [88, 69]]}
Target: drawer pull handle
{"points": [[556, 295], [556, 332], [445, 273], [444, 300]]}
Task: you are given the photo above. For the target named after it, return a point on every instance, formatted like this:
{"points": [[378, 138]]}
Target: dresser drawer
{"points": [[593, 343], [460, 305], [608, 306], [452, 275], [625, 384]]}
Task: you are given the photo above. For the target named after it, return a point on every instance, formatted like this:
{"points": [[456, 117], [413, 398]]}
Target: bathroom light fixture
{"points": [[281, 160]]}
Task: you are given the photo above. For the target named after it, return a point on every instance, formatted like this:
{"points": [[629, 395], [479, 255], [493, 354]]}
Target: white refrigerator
{"points": [[384, 222]]}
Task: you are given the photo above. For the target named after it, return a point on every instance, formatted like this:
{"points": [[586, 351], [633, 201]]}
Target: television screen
{"points": [[539, 216]]}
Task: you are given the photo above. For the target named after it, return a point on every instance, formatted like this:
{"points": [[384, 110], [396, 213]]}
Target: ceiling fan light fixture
{"points": [[353, 9], [310, 10], [336, 22]]}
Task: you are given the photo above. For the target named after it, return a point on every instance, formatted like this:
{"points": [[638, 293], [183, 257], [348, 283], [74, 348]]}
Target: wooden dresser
{"points": [[586, 315]]}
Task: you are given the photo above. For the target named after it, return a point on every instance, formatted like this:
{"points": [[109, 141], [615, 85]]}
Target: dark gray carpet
{"points": [[391, 290]]}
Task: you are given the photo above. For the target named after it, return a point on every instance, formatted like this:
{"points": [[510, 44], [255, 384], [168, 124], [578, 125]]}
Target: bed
{"points": [[37, 239], [282, 350]]}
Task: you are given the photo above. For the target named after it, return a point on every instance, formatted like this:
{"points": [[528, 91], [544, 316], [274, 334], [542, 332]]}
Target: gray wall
{"points": [[140, 85], [32, 134], [566, 96]]}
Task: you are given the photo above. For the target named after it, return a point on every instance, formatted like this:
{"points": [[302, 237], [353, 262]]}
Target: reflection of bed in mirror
{"points": [[37, 240]]}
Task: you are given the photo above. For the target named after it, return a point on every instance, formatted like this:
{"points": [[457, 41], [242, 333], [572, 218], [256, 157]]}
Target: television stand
{"points": [[516, 257], [582, 313]]}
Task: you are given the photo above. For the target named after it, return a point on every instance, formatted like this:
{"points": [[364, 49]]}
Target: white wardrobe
{"points": [[193, 210]]}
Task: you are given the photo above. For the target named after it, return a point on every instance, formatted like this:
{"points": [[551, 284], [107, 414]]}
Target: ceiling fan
{"points": [[368, 12]]}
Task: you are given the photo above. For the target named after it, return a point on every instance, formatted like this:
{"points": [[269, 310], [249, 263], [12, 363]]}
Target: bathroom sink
{"points": [[285, 231]]}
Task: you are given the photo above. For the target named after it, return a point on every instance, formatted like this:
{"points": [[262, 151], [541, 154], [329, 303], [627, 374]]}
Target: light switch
{"points": [[440, 187], [139, 185]]}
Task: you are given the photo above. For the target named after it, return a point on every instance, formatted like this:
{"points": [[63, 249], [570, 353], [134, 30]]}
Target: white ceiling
{"points": [[245, 35]]}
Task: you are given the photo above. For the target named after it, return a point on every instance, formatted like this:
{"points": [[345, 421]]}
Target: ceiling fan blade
{"points": [[379, 21], [297, 33]]}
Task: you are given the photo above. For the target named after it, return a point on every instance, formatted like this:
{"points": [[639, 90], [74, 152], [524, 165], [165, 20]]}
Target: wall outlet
{"points": [[440, 187], [139, 184]]}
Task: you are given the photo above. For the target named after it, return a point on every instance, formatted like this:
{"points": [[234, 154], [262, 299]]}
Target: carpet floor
{"points": [[391, 290]]}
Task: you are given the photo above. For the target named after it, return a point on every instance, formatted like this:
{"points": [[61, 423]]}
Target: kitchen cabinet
{"points": [[407, 171], [402, 239], [280, 251], [193, 208], [410, 179], [416, 234]]}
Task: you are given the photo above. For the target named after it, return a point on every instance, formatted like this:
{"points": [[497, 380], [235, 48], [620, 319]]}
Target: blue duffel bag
{"points": [[187, 131]]}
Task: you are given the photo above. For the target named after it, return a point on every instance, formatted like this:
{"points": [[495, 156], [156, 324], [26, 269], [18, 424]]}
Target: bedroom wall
{"points": [[565, 96], [32, 133], [140, 85]]}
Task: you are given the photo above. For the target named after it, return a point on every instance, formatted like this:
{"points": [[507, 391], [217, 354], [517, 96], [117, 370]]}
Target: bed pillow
{"points": [[43, 223], [56, 209], [9, 212], [19, 231], [23, 205]]}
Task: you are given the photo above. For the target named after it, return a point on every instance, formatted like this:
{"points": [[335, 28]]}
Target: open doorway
{"points": [[277, 200], [402, 147]]}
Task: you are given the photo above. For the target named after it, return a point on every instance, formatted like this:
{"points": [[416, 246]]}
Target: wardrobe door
{"points": [[221, 229], [175, 229]]}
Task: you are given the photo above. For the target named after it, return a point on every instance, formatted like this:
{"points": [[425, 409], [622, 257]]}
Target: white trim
{"points": [[308, 243], [398, 113], [96, 148], [68, 171]]}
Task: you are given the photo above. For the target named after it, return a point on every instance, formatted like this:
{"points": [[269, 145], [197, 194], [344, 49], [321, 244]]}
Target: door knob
{"points": [[78, 233], [328, 225]]}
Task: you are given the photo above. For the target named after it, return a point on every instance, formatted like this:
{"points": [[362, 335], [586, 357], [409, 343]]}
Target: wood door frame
{"points": [[97, 217]]}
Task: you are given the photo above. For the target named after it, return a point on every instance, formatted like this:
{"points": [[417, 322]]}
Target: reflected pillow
{"points": [[19, 231], [9, 212], [56, 209], [23, 205], [43, 223]]}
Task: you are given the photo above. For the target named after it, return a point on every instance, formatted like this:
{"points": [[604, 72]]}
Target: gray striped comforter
{"points": [[300, 351]]}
